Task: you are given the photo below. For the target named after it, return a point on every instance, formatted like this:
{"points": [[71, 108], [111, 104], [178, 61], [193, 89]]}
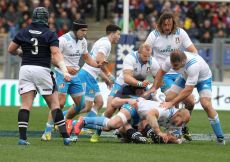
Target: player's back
{"points": [[35, 41], [198, 64]]}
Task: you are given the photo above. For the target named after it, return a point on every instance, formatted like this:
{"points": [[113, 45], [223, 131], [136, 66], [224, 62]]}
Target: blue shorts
{"points": [[72, 87], [133, 113], [115, 89], [202, 85], [90, 85], [168, 80]]}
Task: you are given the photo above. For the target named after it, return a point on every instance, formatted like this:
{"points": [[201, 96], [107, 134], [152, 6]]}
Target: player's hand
{"points": [[145, 83], [147, 93], [166, 105], [67, 76], [72, 70], [164, 136], [133, 103], [109, 84]]}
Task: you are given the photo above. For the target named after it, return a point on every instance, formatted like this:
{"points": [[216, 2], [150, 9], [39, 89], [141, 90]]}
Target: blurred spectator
{"points": [[131, 24], [100, 3], [206, 37], [63, 30], [212, 18], [141, 21], [194, 32], [141, 33], [63, 19]]}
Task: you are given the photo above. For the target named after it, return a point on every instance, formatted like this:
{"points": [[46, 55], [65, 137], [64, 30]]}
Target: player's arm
{"points": [[89, 60], [152, 117], [14, 49], [117, 102], [193, 74], [108, 82], [100, 59], [129, 79], [58, 60], [192, 48], [128, 68], [182, 95]]}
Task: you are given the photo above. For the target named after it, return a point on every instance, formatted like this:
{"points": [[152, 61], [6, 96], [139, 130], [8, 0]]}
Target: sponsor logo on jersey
{"points": [[91, 91], [62, 85], [35, 32], [83, 45], [177, 40], [148, 69], [48, 89]]}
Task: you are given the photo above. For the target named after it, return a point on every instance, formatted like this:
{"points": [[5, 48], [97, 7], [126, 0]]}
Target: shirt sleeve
{"points": [[62, 43], [166, 66], [17, 39], [105, 49], [53, 41], [155, 66], [185, 39], [85, 47], [150, 39], [128, 63], [193, 74]]}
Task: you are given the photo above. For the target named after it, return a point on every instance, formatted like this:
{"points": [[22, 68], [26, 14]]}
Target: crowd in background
{"points": [[202, 20]]}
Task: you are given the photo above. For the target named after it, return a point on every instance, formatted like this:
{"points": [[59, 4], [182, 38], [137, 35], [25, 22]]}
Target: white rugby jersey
{"points": [[165, 115], [163, 45], [194, 71], [102, 45], [71, 49], [140, 71]]}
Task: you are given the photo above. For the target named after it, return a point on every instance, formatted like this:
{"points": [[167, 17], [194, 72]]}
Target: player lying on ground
{"points": [[151, 111]]}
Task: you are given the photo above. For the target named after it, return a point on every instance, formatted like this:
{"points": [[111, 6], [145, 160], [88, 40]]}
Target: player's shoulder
{"points": [[180, 31], [155, 33], [104, 40], [133, 56]]}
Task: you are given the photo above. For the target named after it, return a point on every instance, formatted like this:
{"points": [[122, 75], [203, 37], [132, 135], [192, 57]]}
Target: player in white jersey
{"points": [[73, 46], [167, 37], [151, 111], [136, 67], [195, 73], [89, 75]]}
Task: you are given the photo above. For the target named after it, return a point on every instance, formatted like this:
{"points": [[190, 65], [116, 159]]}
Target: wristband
{"points": [[139, 84], [111, 77]]}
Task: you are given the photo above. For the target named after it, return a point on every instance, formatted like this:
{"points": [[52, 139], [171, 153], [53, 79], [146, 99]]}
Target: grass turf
{"points": [[109, 149]]}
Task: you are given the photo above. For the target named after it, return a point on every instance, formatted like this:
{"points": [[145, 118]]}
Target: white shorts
{"points": [[36, 78]]}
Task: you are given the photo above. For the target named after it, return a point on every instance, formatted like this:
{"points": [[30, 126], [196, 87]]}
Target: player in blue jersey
{"points": [[73, 46], [39, 46], [195, 73]]}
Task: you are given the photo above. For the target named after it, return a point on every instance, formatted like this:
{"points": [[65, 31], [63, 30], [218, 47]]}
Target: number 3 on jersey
{"points": [[35, 44]]}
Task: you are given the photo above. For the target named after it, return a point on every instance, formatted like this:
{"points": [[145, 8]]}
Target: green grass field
{"points": [[108, 149]]}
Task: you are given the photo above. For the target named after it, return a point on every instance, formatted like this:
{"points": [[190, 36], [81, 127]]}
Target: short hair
{"points": [[177, 56], [112, 28], [144, 46], [165, 16]]}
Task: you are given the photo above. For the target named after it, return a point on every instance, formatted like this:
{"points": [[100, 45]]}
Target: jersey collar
{"points": [[71, 33]]}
